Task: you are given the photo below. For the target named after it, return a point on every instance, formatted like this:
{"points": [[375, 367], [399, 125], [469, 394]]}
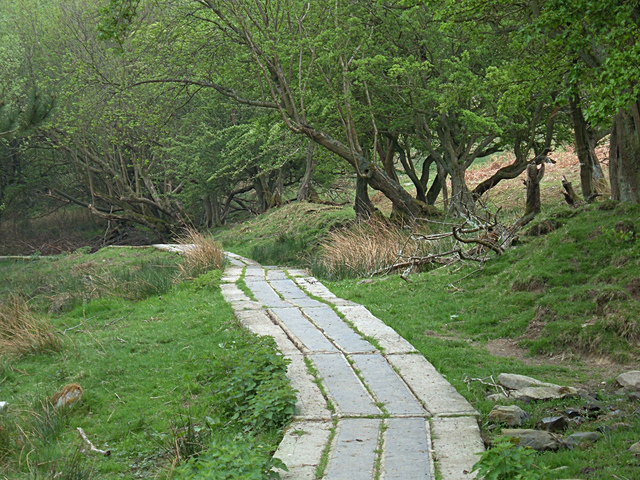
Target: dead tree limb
{"points": [[92, 447], [569, 194]]}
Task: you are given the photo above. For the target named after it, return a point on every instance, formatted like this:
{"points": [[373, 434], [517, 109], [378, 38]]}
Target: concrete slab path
{"points": [[369, 405]]}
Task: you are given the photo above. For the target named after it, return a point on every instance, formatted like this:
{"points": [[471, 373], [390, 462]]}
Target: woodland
{"points": [[161, 115]]}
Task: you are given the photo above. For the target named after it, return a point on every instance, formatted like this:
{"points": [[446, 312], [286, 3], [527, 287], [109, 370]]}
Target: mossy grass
{"points": [[289, 235], [566, 305], [145, 365]]}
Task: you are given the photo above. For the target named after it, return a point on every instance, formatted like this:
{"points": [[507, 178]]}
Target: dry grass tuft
{"points": [[367, 247], [202, 253], [22, 332]]}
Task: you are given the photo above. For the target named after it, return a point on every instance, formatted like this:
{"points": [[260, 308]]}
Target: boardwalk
{"points": [[369, 405]]}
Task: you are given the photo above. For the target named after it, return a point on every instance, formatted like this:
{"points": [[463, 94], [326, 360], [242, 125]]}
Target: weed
{"points": [[202, 253], [241, 458], [252, 389], [187, 439], [22, 332], [506, 461]]}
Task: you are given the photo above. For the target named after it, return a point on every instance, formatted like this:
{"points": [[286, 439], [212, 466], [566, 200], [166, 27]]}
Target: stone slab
{"points": [[303, 330], [254, 272], [259, 323], [456, 443], [297, 272], [301, 449], [264, 293], [232, 293], [290, 291], [370, 325], [286, 287], [246, 305], [275, 274], [343, 386], [314, 287], [406, 450], [174, 248], [310, 403], [354, 451], [337, 330], [432, 389], [386, 385]]}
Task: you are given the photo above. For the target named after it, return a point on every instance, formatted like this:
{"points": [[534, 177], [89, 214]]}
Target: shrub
{"points": [[365, 248], [201, 253], [507, 461], [242, 459], [252, 390], [22, 332]]}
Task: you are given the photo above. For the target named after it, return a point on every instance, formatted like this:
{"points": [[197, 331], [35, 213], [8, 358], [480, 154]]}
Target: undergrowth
{"points": [[150, 369], [23, 332], [365, 248], [202, 253]]}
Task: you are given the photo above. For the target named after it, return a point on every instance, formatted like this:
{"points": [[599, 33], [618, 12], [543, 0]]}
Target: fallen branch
{"points": [[92, 447], [492, 383]]}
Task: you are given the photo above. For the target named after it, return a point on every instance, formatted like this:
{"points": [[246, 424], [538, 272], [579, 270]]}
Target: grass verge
{"points": [[167, 388], [562, 307]]}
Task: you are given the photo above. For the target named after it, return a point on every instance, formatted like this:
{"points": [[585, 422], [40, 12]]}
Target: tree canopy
{"points": [[173, 113]]}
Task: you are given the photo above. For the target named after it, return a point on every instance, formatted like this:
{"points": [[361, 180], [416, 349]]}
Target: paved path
{"points": [[369, 405]]}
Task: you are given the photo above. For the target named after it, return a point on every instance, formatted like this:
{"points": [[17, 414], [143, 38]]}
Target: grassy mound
{"points": [[289, 235]]}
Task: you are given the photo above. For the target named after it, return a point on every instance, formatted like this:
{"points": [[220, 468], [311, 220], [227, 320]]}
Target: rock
{"points": [[613, 427], [535, 439], [554, 424], [582, 439], [3, 406], [577, 420], [511, 415], [514, 381], [66, 397], [543, 393], [630, 380], [497, 397], [635, 449], [573, 412], [634, 396]]}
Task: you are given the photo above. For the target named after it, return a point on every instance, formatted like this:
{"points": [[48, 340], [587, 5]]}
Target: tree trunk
{"points": [[624, 155], [304, 191], [216, 218], [435, 189], [533, 205], [461, 201], [583, 150], [376, 177], [208, 210], [363, 206]]}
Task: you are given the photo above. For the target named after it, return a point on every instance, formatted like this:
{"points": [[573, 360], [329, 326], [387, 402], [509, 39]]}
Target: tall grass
{"points": [[201, 253], [365, 248], [22, 332]]}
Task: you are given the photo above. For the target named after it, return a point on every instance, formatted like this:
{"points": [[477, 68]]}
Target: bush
{"points": [[21, 332], [242, 459], [365, 248], [253, 390], [507, 461], [202, 253]]}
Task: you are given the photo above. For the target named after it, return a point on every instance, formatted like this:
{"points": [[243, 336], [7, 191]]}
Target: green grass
{"points": [[154, 371], [60, 283], [287, 235], [566, 303]]}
